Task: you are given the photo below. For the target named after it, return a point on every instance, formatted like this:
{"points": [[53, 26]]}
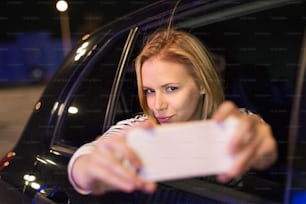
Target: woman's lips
{"points": [[163, 119]]}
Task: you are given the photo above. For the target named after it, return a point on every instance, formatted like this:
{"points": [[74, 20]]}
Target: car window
{"points": [[128, 105], [83, 116]]}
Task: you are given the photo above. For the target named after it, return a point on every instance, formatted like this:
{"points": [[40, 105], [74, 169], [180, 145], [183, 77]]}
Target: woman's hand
{"points": [[111, 165], [253, 143]]}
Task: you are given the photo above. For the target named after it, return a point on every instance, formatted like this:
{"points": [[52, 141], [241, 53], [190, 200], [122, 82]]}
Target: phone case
{"points": [[183, 150]]}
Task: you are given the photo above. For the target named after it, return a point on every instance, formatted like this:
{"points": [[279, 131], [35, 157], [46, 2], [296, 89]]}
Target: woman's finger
{"points": [[113, 172], [244, 134], [244, 151], [122, 163], [243, 162], [149, 187], [120, 150], [109, 180], [267, 151], [226, 109]]}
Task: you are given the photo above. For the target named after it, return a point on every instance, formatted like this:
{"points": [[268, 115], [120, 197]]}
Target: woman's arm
{"points": [[108, 163], [82, 151]]}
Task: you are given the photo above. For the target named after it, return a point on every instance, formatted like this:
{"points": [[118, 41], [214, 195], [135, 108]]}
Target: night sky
{"points": [[17, 17]]}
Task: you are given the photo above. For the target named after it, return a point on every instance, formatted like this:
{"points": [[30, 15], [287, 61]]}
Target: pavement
{"points": [[16, 105]]}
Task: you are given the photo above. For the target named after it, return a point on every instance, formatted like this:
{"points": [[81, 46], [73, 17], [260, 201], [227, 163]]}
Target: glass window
{"points": [[128, 104], [83, 117]]}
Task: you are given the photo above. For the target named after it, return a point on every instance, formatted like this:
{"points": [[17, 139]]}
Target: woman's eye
{"points": [[148, 91], [171, 88]]}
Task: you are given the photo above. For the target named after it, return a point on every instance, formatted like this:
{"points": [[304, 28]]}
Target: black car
{"points": [[259, 51]]}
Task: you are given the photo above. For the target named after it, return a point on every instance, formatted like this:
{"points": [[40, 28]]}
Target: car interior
{"points": [[259, 56]]}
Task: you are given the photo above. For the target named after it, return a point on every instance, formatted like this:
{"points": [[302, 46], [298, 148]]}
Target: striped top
{"points": [[89, 147]]}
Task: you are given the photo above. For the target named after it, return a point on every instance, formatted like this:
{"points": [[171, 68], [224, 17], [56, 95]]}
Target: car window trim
{"points": [[233, 12], [54, 145], [109, 115], [294, 118]]}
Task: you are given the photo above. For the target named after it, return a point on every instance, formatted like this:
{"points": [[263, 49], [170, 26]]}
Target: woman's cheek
{"points": [[150, 103]]}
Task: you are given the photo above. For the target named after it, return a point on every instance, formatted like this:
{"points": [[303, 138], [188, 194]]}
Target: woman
{"points": [[177, 82]]}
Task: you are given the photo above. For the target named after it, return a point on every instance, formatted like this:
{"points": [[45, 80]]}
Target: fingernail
{"points": [[217, 120], [138, 170]]}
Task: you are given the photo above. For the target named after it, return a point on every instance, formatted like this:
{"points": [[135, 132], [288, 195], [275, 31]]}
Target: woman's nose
{"points": [[160, 102]]}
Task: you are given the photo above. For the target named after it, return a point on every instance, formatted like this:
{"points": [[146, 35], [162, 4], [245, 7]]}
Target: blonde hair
{"points": [[184, 48]]}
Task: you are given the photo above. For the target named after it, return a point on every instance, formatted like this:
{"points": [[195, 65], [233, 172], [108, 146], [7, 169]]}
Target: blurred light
{"points": [[11, 154], [41, 160], [81, 51], [60, 110], [55, 106], [73, 110], [86, 36], [55, 152], [50, 162], [29, 178], [85, 44], [45, 161], [5, 161], [62, 5], [35, 185], [37, 105]]}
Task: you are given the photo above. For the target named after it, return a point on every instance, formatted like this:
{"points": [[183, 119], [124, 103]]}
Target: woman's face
{"points": [[171, 92]]}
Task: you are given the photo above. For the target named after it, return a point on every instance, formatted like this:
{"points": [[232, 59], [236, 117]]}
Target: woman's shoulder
{"points": [[131, 121], [123, 124]]}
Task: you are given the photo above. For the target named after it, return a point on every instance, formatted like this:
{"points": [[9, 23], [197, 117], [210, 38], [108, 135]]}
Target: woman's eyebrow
{"points": [[163, 85], [170, 84], [146, 87]]}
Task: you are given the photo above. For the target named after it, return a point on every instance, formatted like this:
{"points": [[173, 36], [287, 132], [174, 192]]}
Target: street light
{"points": [[62, 7]]}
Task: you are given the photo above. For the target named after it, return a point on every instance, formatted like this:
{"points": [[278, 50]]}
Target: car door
{"points": [[82, 115]]}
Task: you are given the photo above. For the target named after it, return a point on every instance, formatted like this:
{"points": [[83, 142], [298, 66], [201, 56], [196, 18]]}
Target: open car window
{"points": [[83, 116]]}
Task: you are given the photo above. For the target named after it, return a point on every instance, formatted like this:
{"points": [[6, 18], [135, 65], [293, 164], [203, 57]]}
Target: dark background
{"points": [[31, 47], [19, 16]]}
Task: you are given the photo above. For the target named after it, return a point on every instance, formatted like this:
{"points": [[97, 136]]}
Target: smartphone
{"points": [[182, 150]]}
